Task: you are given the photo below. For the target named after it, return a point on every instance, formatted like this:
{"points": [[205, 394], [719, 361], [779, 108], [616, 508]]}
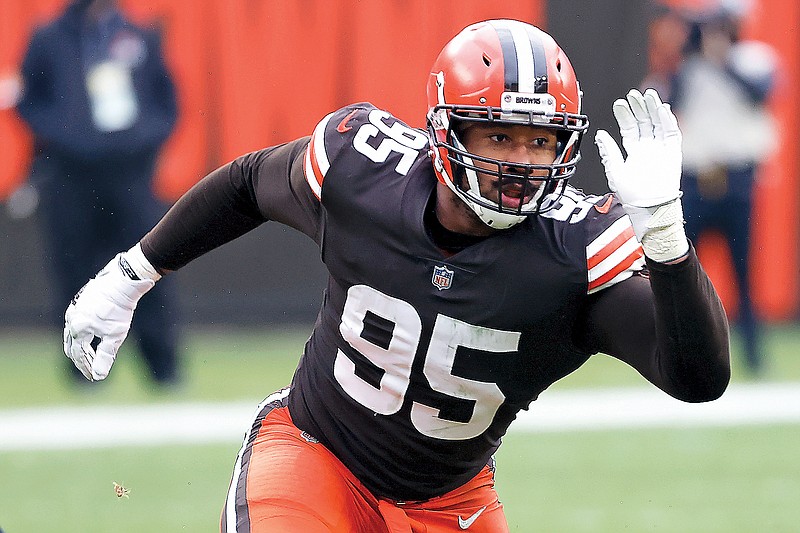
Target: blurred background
{"points": [[251, 74]]}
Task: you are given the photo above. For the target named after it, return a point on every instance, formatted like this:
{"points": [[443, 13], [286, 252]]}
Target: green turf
{"points": [[249, 364], [721, 480], [219, 365], [705, 480], [724, 480], [172, 489]]}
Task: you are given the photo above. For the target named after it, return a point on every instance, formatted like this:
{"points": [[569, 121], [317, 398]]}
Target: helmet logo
{"points": [[542, 105], [442, 277]]}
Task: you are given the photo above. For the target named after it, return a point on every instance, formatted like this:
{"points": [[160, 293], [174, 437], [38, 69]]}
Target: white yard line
{"points": [[53, 428], [630, 408]]}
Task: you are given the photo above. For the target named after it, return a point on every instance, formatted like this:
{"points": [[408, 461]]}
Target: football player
{"points": [[466, 276]]}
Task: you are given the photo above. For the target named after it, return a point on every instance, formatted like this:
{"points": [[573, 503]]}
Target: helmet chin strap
{"points": [[495, 219]]}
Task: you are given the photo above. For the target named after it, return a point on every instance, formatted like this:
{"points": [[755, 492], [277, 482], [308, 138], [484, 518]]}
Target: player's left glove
{"points": [[99, 316], [648, 181]]}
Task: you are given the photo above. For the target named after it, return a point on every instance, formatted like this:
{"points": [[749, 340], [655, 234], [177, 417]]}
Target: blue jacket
{"points": [[55, 101]]}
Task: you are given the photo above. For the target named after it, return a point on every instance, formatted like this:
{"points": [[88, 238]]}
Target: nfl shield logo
{"points": [[442, 277]]}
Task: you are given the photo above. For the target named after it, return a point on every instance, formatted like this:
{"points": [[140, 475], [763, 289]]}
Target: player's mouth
{"points": [[514, 195]]}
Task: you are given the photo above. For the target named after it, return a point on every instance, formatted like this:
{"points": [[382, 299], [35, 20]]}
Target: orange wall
{"points": [[775, 232], [255, 73]]}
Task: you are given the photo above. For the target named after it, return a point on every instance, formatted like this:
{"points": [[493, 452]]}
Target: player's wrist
{"points": [[135, 265], [125, 279], [660, 230], [651, 202]]}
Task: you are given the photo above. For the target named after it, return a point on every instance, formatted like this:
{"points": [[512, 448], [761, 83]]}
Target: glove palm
{"points": [[651, 174]]}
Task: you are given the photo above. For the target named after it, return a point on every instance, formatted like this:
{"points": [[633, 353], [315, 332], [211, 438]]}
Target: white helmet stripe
{"points": [[525, 64], [526, 69]]}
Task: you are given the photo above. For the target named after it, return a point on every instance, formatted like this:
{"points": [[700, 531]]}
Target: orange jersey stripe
{"points": [[609, 248], [621, 267]]}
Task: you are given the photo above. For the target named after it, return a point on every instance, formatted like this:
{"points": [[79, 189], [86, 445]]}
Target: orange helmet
{"points": [[506, 72]]}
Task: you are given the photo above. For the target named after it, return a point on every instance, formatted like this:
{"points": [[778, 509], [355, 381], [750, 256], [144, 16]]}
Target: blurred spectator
{"points": [[719, 92], [100, 102], [666, 41]]}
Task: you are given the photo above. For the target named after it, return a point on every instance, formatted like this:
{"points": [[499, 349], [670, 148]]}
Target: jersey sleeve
{"points": [[332, 137], [612, 252], [265, 185], [282, 183]]}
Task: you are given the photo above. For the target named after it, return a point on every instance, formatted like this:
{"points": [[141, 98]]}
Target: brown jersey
{"points": [[433, 355], [419, 361]]}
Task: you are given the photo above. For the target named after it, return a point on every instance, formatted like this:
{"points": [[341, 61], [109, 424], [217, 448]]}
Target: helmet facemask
{"points": [[541, 185]]}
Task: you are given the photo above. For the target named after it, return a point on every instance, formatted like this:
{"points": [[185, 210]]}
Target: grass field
{"points": [[722, 479]]}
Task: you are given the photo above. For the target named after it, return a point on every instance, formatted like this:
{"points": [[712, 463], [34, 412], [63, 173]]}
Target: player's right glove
{"points": [[99, 316]]}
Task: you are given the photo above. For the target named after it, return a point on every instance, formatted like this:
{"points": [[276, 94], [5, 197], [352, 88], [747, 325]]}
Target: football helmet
{"points": [[504, 72]]}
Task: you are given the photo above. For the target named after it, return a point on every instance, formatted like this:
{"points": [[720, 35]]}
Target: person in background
{"points": [[719, 92], [100, 102], [666, 41]]}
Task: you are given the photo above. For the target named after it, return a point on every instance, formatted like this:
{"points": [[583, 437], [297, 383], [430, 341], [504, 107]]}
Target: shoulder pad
{"points": [[357, 136], [327, 140]]}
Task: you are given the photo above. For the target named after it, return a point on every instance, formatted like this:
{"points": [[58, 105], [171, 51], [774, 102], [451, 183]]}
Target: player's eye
{"points": [[498, 137]]}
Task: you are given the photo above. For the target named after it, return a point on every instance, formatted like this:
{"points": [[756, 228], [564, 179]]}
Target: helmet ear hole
{"points": [[558, 65], [487, 60]]}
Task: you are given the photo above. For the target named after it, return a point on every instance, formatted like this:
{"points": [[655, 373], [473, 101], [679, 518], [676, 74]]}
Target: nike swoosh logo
{"points": [[464, 524], [603, 209], [343, 127]]}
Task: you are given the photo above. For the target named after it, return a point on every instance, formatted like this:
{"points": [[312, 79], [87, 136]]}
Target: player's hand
{"points": [[651, 174], [647, 182], [99, 316]]}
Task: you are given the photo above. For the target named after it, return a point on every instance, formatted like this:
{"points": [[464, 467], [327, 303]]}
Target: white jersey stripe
{"points": [[308, 170], [611, 233], [230, 502], [316, 150], [320, 151]]}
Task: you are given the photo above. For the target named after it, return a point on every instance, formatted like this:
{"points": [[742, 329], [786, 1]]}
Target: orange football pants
{"points": [[285, 481]]}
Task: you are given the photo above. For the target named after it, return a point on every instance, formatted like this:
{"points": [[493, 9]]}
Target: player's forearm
{"points": [[692, 354], [216, 210]]}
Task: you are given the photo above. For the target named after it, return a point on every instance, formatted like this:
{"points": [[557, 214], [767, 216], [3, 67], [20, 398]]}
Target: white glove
{"points": [[99, 316], [648, 181]]}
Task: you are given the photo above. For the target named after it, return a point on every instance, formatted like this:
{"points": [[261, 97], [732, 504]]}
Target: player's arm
{"points": [[229, 202], [671, 328], [283, 184]]}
